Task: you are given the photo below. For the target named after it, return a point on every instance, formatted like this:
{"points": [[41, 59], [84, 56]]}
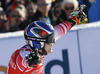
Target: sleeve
{"points": [[61, 29]]}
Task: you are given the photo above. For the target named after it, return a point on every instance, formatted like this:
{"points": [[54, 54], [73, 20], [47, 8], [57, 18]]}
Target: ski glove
{"points": [[78, 16], [33, 58]]}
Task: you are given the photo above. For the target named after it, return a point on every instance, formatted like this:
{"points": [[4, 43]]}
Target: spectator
{"points": [[10, 8], [8, 3], [69, 6], [23, 2], [58, 14], [94, 12], [31, 10], [23, 8], [16, 22], [3, 19], [88, 4], [14, 4], [8, 11], [2, 4], [43, 11]]}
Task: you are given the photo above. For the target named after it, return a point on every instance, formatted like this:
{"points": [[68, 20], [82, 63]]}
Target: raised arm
{"points": [[75, 18], [61, 29]]}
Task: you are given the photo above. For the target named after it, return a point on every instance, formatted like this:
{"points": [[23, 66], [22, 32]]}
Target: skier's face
{"points": [[48, 48]]}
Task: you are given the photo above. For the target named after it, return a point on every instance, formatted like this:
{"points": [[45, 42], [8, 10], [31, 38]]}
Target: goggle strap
{"points": [[35, 39]]}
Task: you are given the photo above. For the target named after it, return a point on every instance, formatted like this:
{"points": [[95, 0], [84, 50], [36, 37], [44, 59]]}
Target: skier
{"points": [[40, 37]]}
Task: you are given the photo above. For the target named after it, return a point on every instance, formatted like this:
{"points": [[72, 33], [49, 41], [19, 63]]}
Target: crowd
{"points": [[15, 15]]}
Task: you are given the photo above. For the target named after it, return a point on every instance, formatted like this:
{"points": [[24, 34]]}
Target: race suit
{"points": [[17, 63]]}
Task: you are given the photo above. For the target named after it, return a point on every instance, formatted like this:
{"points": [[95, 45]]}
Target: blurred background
{"points": [[78, 51]]}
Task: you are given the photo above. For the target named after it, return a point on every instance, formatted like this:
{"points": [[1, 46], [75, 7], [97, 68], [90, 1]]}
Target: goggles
{"points": [[49, 39]]}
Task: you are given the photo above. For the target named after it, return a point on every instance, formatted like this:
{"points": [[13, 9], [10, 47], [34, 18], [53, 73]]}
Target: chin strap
{"points": [[32, 48], [43, 50]]}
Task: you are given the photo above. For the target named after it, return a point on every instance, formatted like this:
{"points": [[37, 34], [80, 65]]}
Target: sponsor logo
{"points": [[64, 64]]}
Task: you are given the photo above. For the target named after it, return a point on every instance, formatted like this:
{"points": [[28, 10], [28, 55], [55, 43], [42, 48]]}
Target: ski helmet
{"points": [[39, 32]]}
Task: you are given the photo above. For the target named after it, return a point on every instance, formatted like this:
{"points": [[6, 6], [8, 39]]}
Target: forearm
{"points": [[61, 29]]}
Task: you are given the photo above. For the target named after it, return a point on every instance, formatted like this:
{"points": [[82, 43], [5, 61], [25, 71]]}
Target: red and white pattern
{"points": [[18, 65], [61, 29]]}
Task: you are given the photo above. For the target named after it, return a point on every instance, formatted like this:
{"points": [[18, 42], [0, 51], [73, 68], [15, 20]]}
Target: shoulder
{"points": [[24, 51]]}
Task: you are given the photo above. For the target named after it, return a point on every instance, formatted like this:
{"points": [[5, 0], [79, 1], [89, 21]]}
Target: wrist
{"points": [[74, 20]]}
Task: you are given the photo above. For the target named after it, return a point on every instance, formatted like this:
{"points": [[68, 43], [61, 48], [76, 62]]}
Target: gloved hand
{"points": [[33, 58], [78, 16]]}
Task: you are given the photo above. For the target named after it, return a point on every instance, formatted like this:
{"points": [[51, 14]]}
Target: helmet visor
{"points": [[50, 39]]}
